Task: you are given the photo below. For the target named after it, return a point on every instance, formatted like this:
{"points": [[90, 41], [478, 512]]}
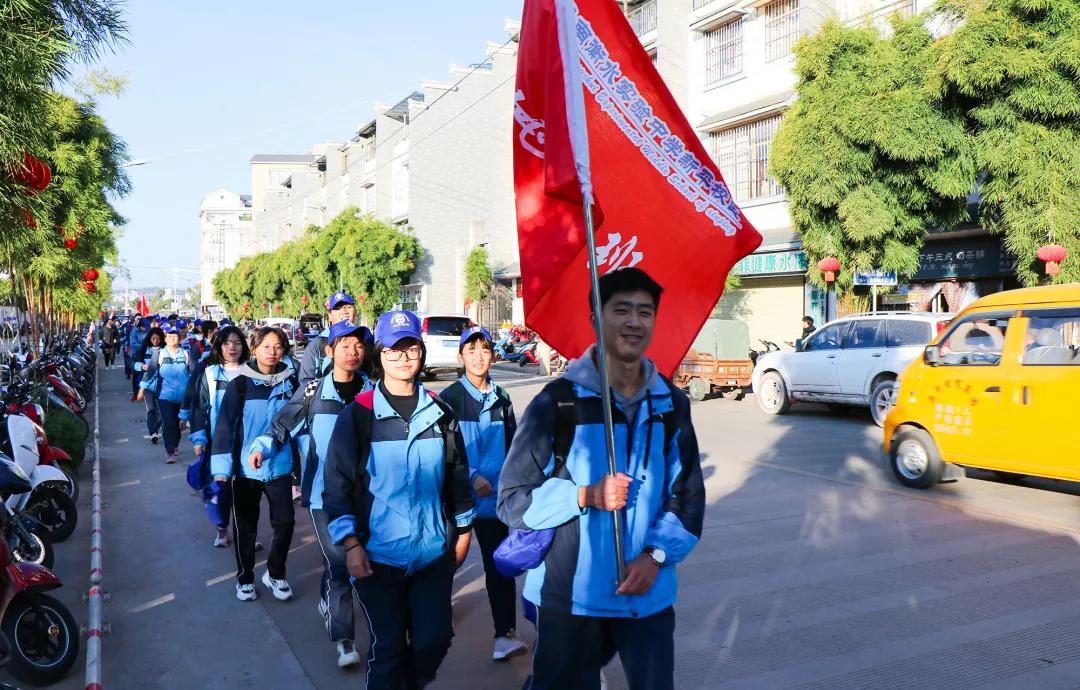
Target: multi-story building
{"points": [[438, 161], [225, 230], [729, 64]]}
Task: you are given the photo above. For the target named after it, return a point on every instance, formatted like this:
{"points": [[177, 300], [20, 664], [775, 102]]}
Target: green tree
{"points": [[1013, 67], [367, 257], [872, 154], [478, 275]]}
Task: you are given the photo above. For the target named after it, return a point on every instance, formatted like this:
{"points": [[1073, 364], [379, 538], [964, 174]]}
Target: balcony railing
{"points": [[881, 16], [643, 17]]}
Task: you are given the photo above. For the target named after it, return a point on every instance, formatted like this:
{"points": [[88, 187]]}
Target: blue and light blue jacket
{"points": [[400, 486], [309, 420], [207, 388], [250, 402], [666, 504], [135, 340], [167, 370], [487, 424], [314, 363]]}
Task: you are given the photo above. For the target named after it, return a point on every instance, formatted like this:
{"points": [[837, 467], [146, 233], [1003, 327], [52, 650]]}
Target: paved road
{"points": [[815, 570]]}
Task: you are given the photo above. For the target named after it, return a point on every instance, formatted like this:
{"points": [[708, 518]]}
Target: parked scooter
{"points": [[42, 638], [49, 502], [769, 347]]}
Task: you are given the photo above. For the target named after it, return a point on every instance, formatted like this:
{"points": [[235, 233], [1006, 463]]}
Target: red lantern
{"points": [[247, 307], [829, 266], [90, 274], [89, 286], [361, 299], [28, 218], [304, 300], [70, 244], [61, 231], [33, 173], [265, 305], [277, 307], [1053, 255]]}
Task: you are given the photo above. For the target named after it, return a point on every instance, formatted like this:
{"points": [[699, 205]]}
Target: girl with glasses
{"points": [[397, 497]]}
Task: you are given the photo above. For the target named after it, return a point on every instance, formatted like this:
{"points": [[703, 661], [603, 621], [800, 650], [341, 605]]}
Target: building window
{"points": [[781, 28], [723, 51], [742, 154], [276, 177]]}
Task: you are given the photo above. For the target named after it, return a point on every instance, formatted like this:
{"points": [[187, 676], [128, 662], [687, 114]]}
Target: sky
{"points": [[213, 82]]}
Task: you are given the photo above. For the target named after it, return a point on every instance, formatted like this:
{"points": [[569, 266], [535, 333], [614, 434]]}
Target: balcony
{"points": [[643, 17], [880, 17]]}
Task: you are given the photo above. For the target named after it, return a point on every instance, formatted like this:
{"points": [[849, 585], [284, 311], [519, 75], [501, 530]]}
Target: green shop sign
{"points": [[771, 263]]}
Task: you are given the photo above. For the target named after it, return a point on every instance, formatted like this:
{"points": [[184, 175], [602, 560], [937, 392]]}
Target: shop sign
{"points": [[969, 257], [771, 263]]}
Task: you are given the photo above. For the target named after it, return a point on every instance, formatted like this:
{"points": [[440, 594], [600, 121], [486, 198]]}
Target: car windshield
{"points": [[446, 325]]}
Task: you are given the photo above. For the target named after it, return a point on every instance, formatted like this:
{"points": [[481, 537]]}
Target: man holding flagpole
{"points": [[602, 484], [585, 614]]}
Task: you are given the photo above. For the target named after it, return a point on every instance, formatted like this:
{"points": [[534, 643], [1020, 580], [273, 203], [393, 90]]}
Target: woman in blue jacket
{"points": [[486, 417], [228, 352], [310, 417], [250, 402], [396, 495], [168, 374], [148, 352]]}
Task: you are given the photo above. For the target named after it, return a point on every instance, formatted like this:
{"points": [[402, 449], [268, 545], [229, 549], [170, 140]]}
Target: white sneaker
{"points": [[246, 593], [222, 539], [154, 438], [506, 647], [347, 654], [279, 588]]}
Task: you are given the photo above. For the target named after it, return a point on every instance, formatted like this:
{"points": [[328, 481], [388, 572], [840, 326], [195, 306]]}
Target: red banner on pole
{"points": [[665, 207], [143, 306]]}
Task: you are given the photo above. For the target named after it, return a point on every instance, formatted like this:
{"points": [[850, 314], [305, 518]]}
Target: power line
{"points": [[412, 145]]}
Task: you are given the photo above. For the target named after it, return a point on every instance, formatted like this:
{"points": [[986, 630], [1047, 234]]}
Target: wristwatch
{"points": [[657, 555]]}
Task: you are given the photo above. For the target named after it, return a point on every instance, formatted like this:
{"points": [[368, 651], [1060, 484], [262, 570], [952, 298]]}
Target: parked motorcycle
{"points": [[769, 347], [42, 638]]}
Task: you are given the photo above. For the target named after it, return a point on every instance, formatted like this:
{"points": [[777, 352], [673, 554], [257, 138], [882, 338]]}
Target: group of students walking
{"points": [[396, 479]]}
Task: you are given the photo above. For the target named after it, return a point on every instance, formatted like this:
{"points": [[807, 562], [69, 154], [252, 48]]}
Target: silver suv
{"points": [[854, 360]]}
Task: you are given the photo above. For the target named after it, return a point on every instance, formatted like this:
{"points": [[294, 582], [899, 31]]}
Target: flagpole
{"points": [[605, 386]]}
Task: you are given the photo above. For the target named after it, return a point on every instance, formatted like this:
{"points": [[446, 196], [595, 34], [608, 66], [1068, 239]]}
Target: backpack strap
{"points": [[671, 423], [309, 394], [562, 394]]}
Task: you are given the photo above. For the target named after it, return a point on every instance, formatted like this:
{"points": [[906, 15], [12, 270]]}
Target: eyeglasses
{"points": [[412, 354]]}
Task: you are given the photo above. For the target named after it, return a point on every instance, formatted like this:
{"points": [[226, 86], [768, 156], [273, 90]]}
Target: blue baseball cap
{"points": [[339, 298], [181, 323], [199, 322], [344, 328], [225, 322], [144, 322], [169, 328], [471, 333], [393, 326]]}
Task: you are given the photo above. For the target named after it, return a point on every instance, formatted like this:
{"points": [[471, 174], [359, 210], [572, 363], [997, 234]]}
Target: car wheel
{"points": [[915, 459], [882, 400], [773, 395], [698, 389]]}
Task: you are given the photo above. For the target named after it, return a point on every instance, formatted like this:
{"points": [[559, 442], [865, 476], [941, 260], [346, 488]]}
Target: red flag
{"points": [[613, 128], [143, 306]]}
